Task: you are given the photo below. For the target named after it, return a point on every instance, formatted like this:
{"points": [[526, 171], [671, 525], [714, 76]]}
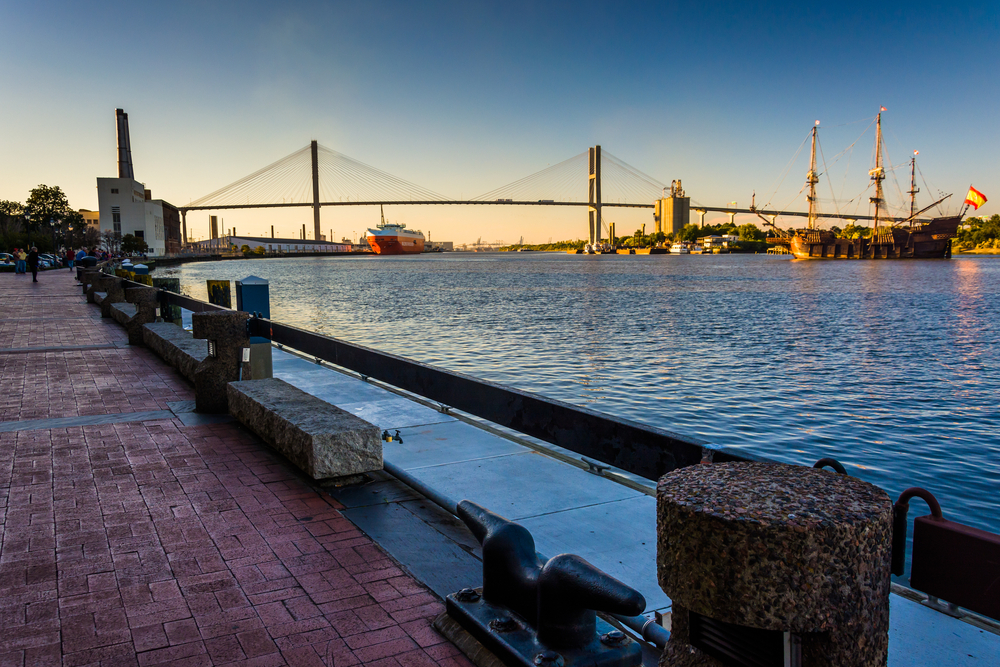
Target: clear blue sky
{"points": [[464, 97]]}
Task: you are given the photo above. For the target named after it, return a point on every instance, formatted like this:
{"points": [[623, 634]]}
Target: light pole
{"points": [[52, 224]]}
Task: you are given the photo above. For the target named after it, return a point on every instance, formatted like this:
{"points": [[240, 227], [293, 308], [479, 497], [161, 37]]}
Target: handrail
{"points": [[643, 450]]}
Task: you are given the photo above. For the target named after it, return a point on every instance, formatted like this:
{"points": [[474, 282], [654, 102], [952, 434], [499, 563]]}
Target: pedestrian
{"points": [[33, 263], [81, 253], [21, 261], [69, 258]]}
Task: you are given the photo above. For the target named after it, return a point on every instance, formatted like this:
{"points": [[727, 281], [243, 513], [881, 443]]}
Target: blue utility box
{"points": [[252, 297]]}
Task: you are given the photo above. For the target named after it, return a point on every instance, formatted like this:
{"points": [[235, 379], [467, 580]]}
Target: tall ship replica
{"points": [[909, 237], [393, 238]]}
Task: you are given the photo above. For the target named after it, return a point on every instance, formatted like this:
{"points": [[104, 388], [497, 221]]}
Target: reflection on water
{"points": [[887, 366]]}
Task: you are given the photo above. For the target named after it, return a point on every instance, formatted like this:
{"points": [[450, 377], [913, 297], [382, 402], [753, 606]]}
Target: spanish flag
{"points": [[975, 198]]}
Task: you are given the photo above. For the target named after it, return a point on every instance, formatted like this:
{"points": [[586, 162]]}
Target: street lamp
{"points": [[52, 224]]}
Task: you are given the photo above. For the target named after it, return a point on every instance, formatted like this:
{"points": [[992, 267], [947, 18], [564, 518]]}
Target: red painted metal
{"points": [[957, 563]]}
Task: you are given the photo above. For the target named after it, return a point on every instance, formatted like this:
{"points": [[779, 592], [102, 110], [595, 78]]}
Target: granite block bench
{"points": [[99, 297], [123, 312], [321, 439], [175, 346]]}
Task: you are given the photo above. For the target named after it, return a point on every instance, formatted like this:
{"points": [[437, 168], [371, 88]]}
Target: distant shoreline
{"points": [[980, 251]]}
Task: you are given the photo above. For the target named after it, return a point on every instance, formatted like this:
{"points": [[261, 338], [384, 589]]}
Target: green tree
{"points": [[11, 207], [750, 232], [10, 219], [853, 231], [45, 203], [691, 232], [132, 244]]}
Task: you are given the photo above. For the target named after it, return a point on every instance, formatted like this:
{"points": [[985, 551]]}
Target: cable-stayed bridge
{"points": [[316, 176]]}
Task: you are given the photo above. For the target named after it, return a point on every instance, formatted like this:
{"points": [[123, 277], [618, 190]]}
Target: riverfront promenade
{"points": [[136, 532]]}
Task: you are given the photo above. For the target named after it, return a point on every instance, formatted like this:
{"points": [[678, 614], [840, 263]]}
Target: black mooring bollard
{"points": [[535, 612]]}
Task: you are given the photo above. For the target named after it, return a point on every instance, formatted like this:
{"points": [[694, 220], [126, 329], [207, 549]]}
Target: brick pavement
{"points": [[148, 543]]}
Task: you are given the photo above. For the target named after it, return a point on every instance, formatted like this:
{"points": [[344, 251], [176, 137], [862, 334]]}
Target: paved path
{"points": [[142, 540]]}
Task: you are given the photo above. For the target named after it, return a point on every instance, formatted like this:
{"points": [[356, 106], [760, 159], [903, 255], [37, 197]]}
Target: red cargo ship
{"points": [[392, 238]]}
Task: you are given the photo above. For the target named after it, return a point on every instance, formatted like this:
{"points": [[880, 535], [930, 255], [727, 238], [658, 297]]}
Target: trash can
{"points": [[88, 262]]}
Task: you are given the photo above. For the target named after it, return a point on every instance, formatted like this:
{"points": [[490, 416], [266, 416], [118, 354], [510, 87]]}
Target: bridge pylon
{"points": [[314, 149], [594, 199]]}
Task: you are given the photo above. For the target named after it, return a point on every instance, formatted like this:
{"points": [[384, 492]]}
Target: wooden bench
{"points": [[175, 346], [321, 439]]}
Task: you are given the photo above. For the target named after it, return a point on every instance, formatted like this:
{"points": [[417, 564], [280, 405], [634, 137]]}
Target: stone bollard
{"points": [[776, 560], [226, 332], [111, 286], [146, 303], [88, 277]]}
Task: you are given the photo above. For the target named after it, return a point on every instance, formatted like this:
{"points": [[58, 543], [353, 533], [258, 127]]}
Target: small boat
{"points": [[679, 249]]}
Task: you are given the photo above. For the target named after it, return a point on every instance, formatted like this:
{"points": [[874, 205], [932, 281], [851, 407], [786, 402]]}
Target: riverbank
{"points": [[178, 260], [979, 251]]}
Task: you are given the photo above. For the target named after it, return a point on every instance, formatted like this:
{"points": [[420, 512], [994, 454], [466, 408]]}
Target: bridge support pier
{"points": [[732, 217], [314, 147], [595, 195], [701, 216]]}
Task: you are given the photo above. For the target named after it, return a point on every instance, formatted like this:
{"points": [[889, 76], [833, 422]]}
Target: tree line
{"points": [[47, 220]]}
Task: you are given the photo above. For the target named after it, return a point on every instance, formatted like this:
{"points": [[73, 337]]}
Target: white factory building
{"points": [[124, 208]]}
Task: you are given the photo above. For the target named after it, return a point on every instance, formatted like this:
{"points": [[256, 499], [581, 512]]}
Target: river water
{"points": [[893, 368]]}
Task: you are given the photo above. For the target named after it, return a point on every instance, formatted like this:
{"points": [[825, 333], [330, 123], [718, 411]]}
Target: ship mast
{"points": [[913, 187], [812, 179], [878, 173]]}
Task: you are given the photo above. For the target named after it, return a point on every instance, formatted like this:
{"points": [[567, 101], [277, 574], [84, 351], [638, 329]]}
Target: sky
{"points": [[464, 97]]}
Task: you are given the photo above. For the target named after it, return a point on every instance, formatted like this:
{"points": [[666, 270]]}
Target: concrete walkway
{"points": [[135, 532]]}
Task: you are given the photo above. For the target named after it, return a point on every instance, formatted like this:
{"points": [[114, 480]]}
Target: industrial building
{"points": [[271, 245], [125, 206]]}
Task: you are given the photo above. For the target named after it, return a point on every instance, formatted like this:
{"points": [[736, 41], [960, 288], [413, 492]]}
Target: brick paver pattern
{"points": [[148, 543]]}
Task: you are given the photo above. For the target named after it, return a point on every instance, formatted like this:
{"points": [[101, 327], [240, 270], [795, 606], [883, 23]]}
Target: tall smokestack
{"points": [[124, 146]]}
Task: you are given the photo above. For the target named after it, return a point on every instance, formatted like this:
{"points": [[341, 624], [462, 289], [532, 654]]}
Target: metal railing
{"points": [[640, 449]]}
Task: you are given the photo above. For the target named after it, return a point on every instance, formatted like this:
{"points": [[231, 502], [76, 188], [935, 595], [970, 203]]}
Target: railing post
{"points": [[112, 287], [227, 338], [88, 277], [145, 300]]}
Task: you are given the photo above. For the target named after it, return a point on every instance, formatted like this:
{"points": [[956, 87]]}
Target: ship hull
{"points": [[930, 240], [395, 245]]}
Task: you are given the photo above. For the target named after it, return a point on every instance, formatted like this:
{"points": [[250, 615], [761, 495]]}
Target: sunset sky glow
{"points": [[462, 98]]}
